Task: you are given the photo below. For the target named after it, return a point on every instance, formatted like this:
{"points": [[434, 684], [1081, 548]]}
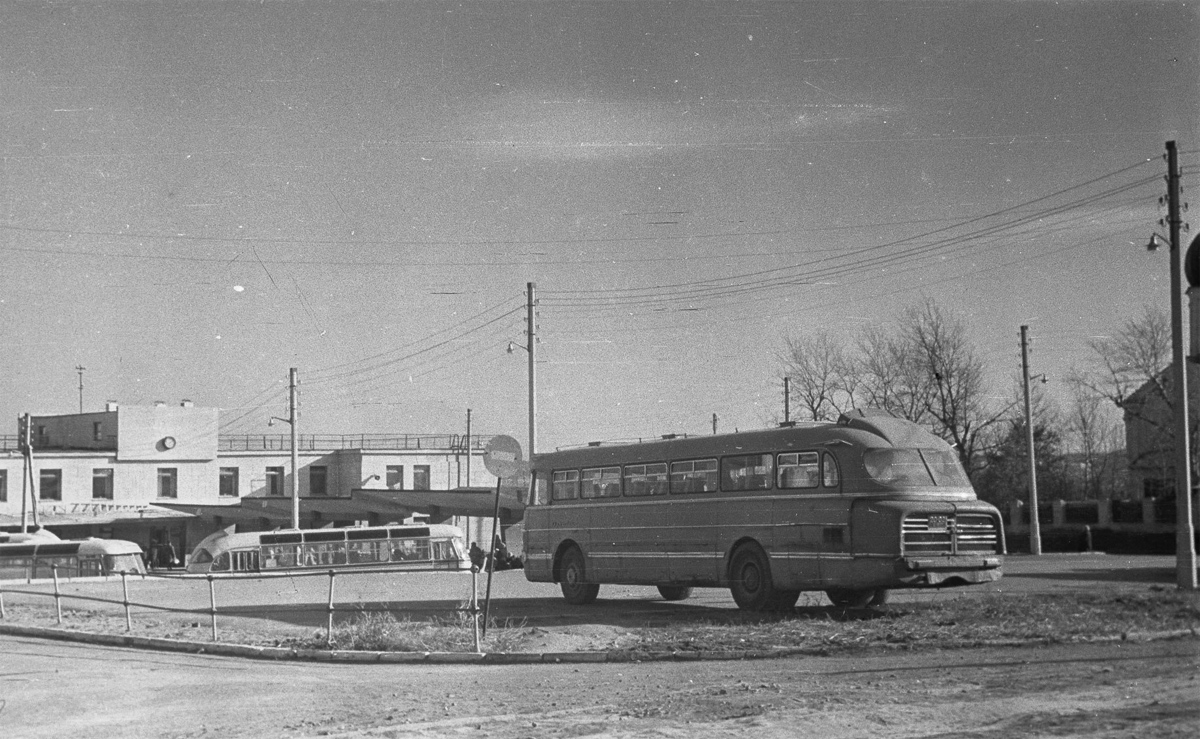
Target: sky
{"points": [[200, 195]]}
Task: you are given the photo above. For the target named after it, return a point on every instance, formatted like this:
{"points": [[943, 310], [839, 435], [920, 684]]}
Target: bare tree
{"points": [[924, 369], [1135, 357], [1096, 435], [1133, 373], [894, 377], [957, 399], [820, 374]]}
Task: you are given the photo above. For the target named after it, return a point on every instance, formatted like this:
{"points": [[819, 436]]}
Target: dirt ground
{"points": [[1122, 689]]}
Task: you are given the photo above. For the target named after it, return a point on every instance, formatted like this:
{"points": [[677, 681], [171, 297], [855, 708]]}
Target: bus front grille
{"points": [[925, 533]]}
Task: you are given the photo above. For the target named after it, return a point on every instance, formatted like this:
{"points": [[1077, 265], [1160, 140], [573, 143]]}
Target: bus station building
{"points": [[164, 477]]}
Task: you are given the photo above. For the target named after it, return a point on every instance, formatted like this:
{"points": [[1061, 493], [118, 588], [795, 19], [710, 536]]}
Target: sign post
{"points": [[501, 457]]}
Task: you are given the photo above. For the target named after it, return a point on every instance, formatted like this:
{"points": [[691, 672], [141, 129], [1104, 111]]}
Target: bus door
{"points": [[645, 525], [598, 525], [810, 519]]}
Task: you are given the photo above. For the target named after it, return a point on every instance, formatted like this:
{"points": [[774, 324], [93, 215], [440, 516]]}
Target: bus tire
{"points": [[575, 588], [675, 592], [850, 598], [880, 598], [750, 579]]}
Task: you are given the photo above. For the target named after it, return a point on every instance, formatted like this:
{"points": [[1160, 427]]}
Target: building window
{"points": [[50, 485], [43, 439], [318, 476], [420, 477], [228, 486], [97, 431], [3, 486], [168, 482], [102, 483], [275, 481], [395, 477]]}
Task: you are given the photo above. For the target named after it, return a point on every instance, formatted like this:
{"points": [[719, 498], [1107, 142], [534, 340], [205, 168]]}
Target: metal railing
{"points": [[456, 443], [471, 607]]}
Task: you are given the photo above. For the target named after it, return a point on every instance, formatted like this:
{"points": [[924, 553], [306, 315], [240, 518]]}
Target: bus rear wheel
{"points": [[674, 592], [850, 598], [750, 580], [575, 588]]}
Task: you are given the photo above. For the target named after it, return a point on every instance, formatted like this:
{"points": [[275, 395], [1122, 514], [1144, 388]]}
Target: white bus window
{"points": [[443, 551], [799, 470], [566, 484], [830, 477], [601, 482], [695, 476], [749, 472], [646, 479]]}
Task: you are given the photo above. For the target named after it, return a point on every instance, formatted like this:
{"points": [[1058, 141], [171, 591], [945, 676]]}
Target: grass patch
{"points": [[958, 622], [383, 632]]}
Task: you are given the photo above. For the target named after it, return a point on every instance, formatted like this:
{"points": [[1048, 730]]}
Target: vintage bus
{"points": [[34, 556], [398, 547], [852, 508]]}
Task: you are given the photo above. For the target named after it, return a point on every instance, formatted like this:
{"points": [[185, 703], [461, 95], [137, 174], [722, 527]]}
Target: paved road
{"points": [[302, 600], [54, 689]]}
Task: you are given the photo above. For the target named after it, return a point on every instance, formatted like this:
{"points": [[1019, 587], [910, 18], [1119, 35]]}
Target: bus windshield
{"points": [[915, 468]]}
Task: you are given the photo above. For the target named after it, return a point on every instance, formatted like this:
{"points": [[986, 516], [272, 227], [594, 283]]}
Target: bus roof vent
{"points": [[670, 436], [787, 424], [595, 443]]}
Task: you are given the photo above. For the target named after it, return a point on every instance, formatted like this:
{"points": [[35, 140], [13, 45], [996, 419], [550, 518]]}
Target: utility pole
{"points": [[1185, 547], [80, 370], [295, 452], [531, 337], [714, 423], [468, 446], [1035, 526], [787, 399]]}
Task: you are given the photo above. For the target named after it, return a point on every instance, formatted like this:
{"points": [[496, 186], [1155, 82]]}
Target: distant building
{"points": [[163, 475], [1149, 435]]}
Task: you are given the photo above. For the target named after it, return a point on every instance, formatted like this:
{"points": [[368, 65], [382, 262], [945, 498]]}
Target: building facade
{"points": [[164, 477]]}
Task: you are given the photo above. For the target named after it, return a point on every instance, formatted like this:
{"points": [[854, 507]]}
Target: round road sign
{"points": [[502, 456]]}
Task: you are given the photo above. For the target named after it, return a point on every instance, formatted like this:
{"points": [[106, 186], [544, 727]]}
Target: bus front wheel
{"points": [[750, 579], [674, 592], [575, 588]]}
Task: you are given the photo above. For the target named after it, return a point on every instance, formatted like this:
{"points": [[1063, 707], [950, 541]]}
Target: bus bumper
{"points": [[943, 571]]}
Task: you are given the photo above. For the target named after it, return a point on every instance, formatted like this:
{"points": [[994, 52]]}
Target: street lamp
{"points": [[1185, 548]]}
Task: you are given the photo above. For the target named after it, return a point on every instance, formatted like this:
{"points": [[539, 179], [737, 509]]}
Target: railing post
{"points": [[475, 605], [2, 614], [329, 627], [212, 605], [125, 601], [57, 594]]}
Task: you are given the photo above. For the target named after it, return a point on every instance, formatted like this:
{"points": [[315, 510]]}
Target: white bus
{"points": [[407, 547]]}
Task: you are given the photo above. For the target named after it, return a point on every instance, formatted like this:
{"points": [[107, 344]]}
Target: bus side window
{"points": [[566, 484], [541, 489], [829, 471], [799, 470], [750, 472], [221, 563]]}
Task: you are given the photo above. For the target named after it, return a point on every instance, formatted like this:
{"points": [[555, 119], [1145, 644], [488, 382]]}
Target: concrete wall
{"points": [[165, 433]]}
